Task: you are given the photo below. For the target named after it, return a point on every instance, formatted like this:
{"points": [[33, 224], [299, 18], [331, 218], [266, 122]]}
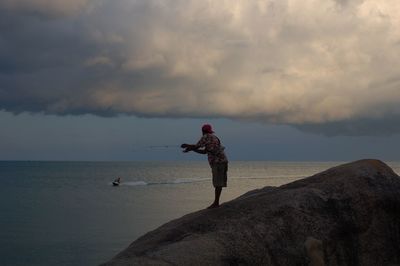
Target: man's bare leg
{"points": [[215, 204]]}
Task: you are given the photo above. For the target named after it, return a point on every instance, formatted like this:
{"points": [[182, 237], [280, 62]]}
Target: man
{"points": [[211, 145]]}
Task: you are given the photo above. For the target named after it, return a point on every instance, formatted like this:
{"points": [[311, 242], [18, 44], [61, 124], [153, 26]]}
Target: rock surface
{"points": [[352, 209]]}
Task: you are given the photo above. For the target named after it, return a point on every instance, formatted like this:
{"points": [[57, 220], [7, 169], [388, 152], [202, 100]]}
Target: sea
{"points": [[69, 213]]}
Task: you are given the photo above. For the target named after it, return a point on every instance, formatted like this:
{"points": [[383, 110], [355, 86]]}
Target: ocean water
{"points": [[68, 213]]}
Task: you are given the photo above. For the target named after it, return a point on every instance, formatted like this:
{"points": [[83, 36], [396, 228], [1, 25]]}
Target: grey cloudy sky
{"points": [[324, 67]]}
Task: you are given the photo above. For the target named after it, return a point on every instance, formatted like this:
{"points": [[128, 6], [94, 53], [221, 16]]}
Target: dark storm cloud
{"points": [[357, 127], [305, 63], [46, 8]]}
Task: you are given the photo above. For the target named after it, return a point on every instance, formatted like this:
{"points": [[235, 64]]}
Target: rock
{"points": [[315, 251], [350, 212]]}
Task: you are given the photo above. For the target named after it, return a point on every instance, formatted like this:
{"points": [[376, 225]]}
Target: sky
{"points": [[278, 79]]}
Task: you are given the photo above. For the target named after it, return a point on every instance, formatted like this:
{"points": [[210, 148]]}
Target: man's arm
{"points": [[192, 147], [201, 151], [199, 147]]}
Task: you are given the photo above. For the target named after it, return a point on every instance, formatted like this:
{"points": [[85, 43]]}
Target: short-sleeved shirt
{"points": [[214, 149]]}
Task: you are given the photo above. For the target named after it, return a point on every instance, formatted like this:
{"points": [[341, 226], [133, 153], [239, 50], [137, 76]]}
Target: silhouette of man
{"points": [[211, 145]]}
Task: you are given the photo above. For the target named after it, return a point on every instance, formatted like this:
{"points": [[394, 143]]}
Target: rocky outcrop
{"points": [[347, 215]]}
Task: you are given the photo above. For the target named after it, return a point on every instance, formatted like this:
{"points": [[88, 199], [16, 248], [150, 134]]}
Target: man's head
{"points": [[206, 128]]}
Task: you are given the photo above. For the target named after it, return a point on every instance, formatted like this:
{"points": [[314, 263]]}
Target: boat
{"points": [[116, 182]]}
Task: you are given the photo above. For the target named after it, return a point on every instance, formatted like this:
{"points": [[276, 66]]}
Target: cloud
{"points": [[311, 64], [44, 7], [355, 127]]}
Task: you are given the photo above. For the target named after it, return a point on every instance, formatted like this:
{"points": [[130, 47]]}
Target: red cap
{"points": [[206, 128]]}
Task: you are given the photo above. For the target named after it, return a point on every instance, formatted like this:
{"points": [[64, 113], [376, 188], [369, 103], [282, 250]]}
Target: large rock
{"points": [[347, 215]]}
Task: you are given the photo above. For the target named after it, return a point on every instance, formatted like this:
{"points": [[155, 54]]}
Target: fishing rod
{"points": [[154, 147], [163, 146]]}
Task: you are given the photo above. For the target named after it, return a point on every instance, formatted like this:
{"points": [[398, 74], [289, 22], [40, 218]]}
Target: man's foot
{"points": [[212, 206]]}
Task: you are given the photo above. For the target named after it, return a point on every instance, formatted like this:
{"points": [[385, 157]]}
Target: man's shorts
{"points": [[220, 174]]}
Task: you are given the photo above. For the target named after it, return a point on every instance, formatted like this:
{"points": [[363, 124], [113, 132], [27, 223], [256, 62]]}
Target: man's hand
{"points": [[188, 147]]}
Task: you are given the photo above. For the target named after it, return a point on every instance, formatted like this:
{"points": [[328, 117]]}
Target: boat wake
{"points": [[170, 182]]}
